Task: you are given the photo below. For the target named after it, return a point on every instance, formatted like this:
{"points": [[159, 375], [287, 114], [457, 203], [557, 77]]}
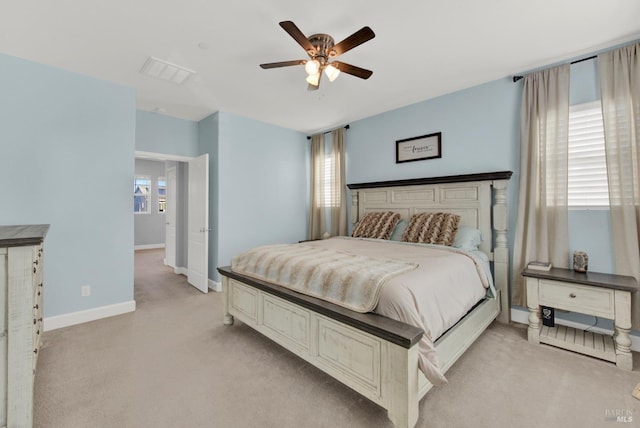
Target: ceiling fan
{"points": [[321, 48]]}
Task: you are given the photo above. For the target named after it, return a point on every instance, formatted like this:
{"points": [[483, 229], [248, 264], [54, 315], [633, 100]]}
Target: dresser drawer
{"points": [[577, 298]]}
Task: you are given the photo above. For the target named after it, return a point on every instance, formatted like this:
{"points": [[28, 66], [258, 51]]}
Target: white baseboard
{"points": [[215, 286], [180, 271], [73, 318], [522, 316], [148, 247]]}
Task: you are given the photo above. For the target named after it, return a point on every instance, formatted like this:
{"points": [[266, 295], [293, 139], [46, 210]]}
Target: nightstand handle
{"points": [[572, 295]]}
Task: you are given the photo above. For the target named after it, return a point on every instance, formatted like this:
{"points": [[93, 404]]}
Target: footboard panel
{"points": [[376, 368], [375, 356], [290, 323], [352, 357]]}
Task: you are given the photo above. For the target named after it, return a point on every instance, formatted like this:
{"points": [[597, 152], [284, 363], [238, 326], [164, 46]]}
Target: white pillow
{"points": [[467, 238]]}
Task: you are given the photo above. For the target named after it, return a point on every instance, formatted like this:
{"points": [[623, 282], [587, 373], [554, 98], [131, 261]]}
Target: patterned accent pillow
{"points": [[432, 228], [378, 225]]}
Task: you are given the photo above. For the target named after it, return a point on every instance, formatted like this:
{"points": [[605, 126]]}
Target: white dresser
{"points": [[21, 281]]}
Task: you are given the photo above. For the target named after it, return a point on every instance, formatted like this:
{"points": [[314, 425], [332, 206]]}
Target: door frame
{"points": [[170, 227], [140, 154]]}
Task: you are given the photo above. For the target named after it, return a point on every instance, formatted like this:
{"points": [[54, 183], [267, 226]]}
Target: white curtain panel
{"points": [[542, 220], [338, 185], [317, 217], [620, 91]]}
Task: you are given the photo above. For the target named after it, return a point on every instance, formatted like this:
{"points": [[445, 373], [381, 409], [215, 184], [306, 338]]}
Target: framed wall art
{"points": [[419, 148]]}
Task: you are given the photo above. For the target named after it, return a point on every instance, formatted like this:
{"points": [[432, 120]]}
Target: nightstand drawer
{"points": [[577, 298]]}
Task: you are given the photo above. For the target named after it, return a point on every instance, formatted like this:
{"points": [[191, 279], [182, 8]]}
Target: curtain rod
{"points": [[516, 78], [345, 127]]}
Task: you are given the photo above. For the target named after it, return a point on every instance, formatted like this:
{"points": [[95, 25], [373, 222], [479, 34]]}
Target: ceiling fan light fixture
{"points": [[320, 48], [312, 67], [314, 79], [332, 72]]}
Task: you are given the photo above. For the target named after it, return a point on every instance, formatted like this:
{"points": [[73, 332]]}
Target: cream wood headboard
{"points": [[479, 199]]}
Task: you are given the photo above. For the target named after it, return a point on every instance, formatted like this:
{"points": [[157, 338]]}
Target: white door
{"points": [[170, 219], [198, 223]]}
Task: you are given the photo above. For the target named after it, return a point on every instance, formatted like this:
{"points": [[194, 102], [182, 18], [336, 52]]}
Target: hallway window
{"points": [[141, 188]]}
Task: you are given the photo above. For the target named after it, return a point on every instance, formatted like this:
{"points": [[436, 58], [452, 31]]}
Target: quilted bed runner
{"points": [[345, 279]]}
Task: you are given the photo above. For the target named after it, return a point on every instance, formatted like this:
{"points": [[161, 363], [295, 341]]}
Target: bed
{"points": [[375, 355]]}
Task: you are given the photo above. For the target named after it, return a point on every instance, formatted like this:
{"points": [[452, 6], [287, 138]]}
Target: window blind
{"points": [[587, 175], [330, 198]]}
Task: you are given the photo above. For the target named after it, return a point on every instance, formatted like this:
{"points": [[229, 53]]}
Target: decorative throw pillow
{"points": [[432, 228], [377, 225], [467, 238], [398, 231]]}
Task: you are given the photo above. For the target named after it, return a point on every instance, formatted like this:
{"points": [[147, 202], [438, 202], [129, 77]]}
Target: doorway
{"points": [[183, 188]]}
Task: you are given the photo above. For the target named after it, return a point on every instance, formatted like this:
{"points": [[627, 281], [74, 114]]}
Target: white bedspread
{"points": [[446, 285]]}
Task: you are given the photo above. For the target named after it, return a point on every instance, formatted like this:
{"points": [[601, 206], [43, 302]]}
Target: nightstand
{"points": [[591, 293]]}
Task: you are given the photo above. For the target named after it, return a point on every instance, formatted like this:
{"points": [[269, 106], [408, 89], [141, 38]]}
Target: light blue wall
{"points": [[165, 135], [157, 133], [480, 133], [67, 158], [584, 85], [590, 231], [149, 228], [208, 130], [262, 185]]}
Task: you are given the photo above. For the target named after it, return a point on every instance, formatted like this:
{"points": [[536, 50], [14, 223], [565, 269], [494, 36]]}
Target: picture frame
{"points": [[419, 148]]}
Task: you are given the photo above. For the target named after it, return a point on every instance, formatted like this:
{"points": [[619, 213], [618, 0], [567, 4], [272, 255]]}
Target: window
{"points": [[330, 199], [587, 181], [162, 194], [141, 188]]}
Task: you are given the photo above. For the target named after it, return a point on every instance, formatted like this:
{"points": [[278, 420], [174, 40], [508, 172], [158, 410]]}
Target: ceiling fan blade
{"points": [[298, 36], [283, 63], [352, 69], [359, 37]]}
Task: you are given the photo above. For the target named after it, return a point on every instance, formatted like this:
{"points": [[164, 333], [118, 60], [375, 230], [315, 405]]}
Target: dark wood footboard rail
{"points": [[393, 331]]}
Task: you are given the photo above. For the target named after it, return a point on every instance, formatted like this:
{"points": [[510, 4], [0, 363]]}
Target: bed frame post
{"points": [[227, 317], [402, 366], [501, 250], [354, 207]]}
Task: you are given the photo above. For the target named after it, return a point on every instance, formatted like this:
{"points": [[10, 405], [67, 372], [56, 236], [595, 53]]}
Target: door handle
{"points": [[202, 229]]}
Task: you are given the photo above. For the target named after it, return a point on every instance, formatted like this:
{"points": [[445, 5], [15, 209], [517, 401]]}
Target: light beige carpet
{"points": [[172, 363]]}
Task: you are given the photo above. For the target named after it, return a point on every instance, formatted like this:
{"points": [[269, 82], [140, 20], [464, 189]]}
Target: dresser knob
{"points": [[36, 306], [35, 351], [34, 270], [572, 295], [34, 321]]}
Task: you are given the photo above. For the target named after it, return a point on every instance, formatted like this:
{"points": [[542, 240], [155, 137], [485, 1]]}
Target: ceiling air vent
{"points": [[164, 70]]}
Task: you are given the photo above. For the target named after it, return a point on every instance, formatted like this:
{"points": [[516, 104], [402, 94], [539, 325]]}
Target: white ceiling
{"points": [[422, 49]]}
